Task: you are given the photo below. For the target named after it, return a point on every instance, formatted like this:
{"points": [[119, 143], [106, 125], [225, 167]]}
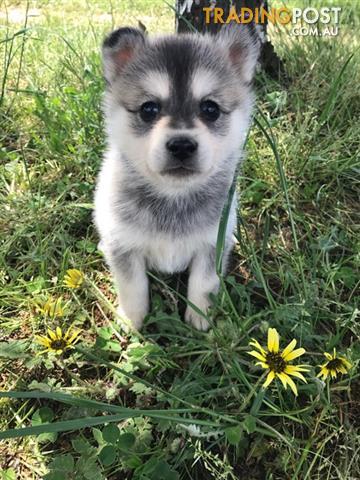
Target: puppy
{"points": [[177, 111]]}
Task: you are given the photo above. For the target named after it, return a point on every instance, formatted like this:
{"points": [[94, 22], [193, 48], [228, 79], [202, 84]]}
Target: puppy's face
{"points": [[177, 107]]}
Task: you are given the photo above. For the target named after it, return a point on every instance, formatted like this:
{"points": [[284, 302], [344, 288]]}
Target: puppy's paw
{"points": [[130, 319], [196, 320]]}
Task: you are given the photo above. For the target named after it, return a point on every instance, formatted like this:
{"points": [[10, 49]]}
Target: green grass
{"points": [[295, 268]]}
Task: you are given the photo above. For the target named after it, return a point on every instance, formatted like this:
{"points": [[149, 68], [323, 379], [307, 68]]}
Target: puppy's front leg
{"points": [[203, 280], [132, 286]]}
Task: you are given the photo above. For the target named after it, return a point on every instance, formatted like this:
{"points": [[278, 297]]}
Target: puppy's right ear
{"points": [[119, 49]]}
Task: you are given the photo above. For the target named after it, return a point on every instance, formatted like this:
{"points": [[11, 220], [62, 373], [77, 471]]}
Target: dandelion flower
{"points": [[57, 342], [73, 278], [51, 308], [334, 366], [277, 363]]}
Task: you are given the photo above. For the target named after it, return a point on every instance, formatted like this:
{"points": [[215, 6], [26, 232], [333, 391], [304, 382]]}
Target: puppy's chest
{"points": [[180, 216], [169, 255]]}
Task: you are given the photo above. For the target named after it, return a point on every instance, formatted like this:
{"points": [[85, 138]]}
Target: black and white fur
{"points": [[151, 211]]}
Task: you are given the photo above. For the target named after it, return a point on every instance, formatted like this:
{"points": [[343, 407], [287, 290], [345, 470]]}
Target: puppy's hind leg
{"points": [[132, 285]]}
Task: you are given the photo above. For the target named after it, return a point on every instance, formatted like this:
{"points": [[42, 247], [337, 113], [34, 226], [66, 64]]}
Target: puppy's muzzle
{"points": [[182, 155]]}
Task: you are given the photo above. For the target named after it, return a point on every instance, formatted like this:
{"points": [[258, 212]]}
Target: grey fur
{"points": [[176, 216]]}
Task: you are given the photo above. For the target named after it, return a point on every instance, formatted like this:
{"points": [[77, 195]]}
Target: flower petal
{"points": [[269, 379], [73, 338], [298, 368], [273, 340], [346, 363], [291, 382], [43, 340], [323, 373], [294, 354], [256, 344], [42, 352], [289, 348], [257, 355], [262, 364], [58, 332], [68, 332], [328, 356], [52, 334], [341, 369], [283, 379], [294, 373], [73, 278]]}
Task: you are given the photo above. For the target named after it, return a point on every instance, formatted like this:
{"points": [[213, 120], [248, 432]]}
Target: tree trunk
{"points": [[190, 15]]}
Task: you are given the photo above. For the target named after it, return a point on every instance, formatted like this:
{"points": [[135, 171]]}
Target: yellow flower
{"points": [[51, 308], [277, 363], [73, 278], [56, 342], [334, 366]]}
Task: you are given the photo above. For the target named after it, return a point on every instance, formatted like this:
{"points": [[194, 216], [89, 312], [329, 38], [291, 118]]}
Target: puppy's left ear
{"points": [[119, 49], [242, 47]]}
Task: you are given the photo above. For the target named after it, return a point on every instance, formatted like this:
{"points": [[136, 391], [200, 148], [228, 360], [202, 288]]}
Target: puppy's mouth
{"points": [[180, 171]]}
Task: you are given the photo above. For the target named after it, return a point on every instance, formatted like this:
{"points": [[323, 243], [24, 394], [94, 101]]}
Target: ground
{"points": [[295, 268]]}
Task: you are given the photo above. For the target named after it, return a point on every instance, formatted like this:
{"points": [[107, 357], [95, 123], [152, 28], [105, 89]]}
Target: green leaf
{"points": [[334, 92], [65, 398], [36, 285], [87, 245], [149, 466], [162, 471], [44, 387], [98, 436], [250, 424], [82, 446], [63, 426], [234, 434], [43, 415], [105, 333], [126, 441], [108, 455], [100, 342], [257, 402], [47, 437], [111, 433], [139, 351], [8, 474], [113, 346], [140, 389], [14, 349], [132, 462], [56, 475], [347, 275], [89, 468], [220, 242], [63, 463], [124, 413]]}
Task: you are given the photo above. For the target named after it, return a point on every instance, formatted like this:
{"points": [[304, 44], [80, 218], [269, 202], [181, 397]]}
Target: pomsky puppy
{"points": [[177, 111]]}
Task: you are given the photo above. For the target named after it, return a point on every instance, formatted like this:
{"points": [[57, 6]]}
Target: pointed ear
{"points": [[243, 48], [119, 48]]}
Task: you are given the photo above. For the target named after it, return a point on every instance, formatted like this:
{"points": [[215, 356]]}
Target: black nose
{"points": [[182, 147]]}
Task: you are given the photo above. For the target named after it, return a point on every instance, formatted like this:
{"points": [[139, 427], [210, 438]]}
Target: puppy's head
{"points": [[178, 107]]}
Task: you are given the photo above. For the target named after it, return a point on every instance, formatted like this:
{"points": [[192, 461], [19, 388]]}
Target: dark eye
{"points": [[209, 110], [149, 111]]}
